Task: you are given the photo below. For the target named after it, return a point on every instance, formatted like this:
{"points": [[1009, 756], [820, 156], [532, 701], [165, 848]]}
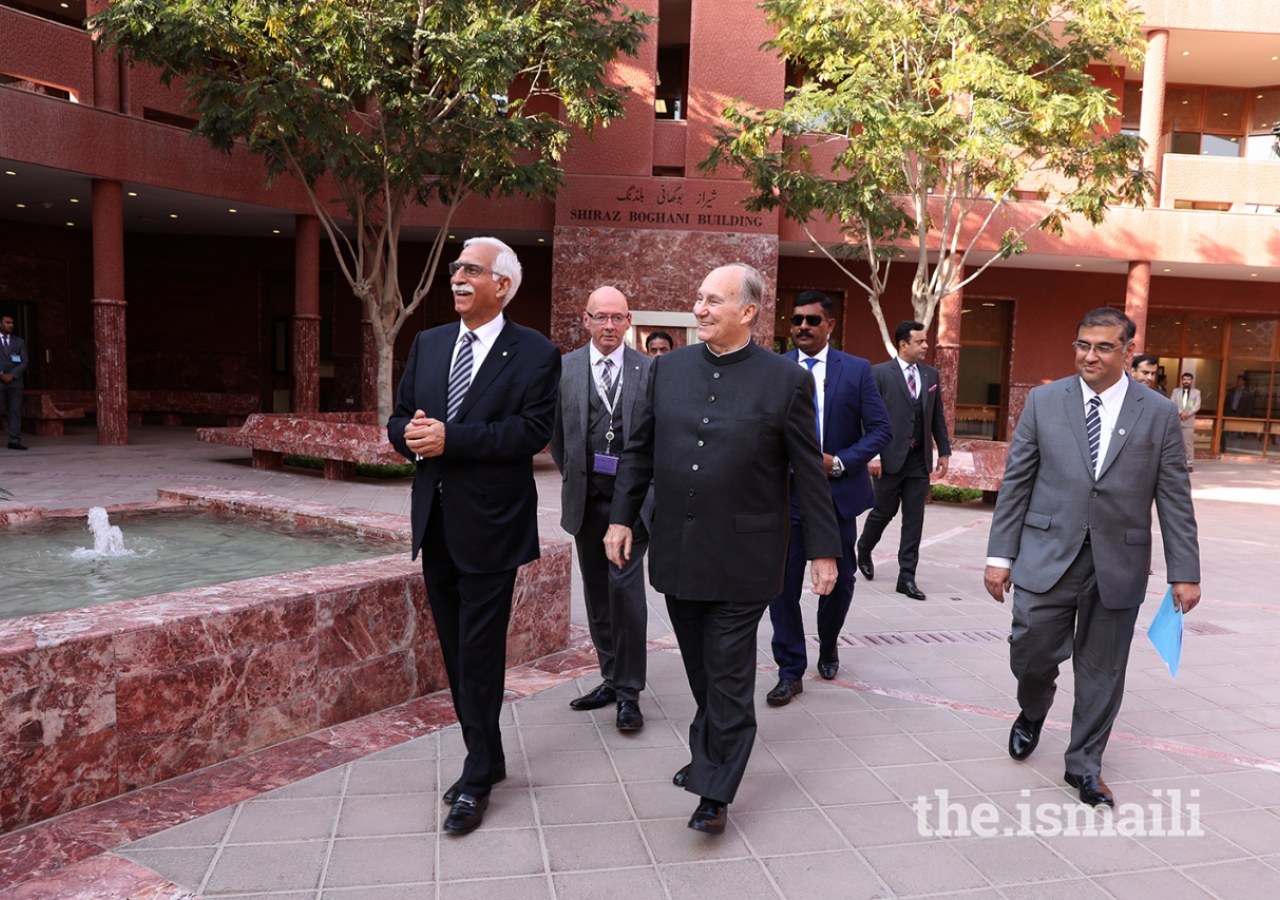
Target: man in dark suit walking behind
{"points": [[602, 387], [13, 365], [853, 426], [721, 424], [910, 391], [476, 402], [1072, 531]]}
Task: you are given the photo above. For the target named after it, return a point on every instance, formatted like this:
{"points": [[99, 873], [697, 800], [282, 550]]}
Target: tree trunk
{"points": [[386, 390]]}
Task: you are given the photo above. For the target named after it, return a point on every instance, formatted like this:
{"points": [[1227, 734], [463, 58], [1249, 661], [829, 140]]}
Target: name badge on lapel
{"points": [[605, 464], [15, 358]]}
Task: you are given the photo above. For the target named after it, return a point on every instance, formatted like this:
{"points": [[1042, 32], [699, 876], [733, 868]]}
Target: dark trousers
{"points": [[617, 613], [471, 612], [1069, 620], [789, 650], [910, 486], [718, 644], [11, 394]]}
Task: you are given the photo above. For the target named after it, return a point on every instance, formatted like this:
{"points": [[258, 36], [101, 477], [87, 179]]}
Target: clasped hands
{"points": [[617, 547], [424, 436]]}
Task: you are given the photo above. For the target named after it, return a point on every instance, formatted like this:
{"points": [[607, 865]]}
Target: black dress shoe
{"points": [[466, 815], [629, 716], [710, 817], [828, 663], [1093, 790], [16, 446], [865, 565], [786, 689], [1024, 736], [602, 696], [681, 778], [455, 790], [908, 586]]}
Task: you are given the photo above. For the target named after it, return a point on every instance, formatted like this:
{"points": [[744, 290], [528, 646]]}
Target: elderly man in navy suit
{"points": [[477, 401], [853, 426]]}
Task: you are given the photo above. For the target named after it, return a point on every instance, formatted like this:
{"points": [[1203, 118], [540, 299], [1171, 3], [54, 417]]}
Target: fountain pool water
{"points": [[48, 568]]}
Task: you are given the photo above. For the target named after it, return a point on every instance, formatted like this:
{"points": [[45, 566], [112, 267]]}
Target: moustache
{"points": [[803, 333]]}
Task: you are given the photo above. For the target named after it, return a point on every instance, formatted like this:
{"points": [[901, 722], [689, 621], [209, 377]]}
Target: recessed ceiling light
{"points": [[1078, 265], [22, 206], [64, 6], [1274, 58], [1253, 274], [813, 251], [1166, 270], [133, 193], [1259, 97], [275, 230], [74, 200], [542, 240], [1186, 52], [451, 237], [173, 215], [231, 210], [71, 223], [7, 172]]}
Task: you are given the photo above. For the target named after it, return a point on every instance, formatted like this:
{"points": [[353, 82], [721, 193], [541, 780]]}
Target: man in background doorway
{"points": [[658, 343], [1144, 369], [13, 365], [1187, 399]]}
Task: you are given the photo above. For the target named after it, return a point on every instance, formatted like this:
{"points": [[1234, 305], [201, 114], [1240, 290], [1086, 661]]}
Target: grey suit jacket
{"points": [[1049, 499], [569, 433]]}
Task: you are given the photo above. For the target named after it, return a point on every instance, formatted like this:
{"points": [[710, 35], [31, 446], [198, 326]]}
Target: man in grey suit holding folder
{"points": [[602, 389], [1072, 532]]}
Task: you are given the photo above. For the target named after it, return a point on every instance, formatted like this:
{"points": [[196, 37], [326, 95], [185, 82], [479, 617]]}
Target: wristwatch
{"points": [[837, 467]]}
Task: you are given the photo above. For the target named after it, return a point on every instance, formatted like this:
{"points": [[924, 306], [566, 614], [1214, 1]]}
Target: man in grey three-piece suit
{"points": [[602, 387], [13, 365], [1072, 531], [722, 424]]}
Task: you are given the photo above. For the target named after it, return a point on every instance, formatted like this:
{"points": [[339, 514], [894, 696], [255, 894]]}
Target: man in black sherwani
{"points": [[722, 425]]}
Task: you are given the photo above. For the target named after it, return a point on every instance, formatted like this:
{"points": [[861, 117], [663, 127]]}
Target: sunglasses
{"points": [[812, 321]]}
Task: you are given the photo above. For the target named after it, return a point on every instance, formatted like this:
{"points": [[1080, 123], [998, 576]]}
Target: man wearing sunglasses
{"points": [[853, 426], [476, 402], [602, 389], [1072, 531]]}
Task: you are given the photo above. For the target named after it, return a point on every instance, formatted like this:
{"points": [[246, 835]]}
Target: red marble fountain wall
{"points": [[98, 701]]}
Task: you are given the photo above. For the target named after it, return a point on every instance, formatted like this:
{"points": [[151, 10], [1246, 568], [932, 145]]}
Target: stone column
{"points": [[108, 312], [306, 315], [106, 71], [1151, 125], [1137, 292], [946, 356]]}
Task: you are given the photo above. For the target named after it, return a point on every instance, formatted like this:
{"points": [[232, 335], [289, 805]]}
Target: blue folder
{"points": [[1165, 632]]}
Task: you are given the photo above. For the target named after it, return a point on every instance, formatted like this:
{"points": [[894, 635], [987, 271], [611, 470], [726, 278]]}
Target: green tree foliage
{"points": [[377, 104], [936, 116]]}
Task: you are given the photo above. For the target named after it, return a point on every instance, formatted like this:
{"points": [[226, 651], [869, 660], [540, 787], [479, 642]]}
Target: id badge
{"points": [[15, 358], [605, 464]]}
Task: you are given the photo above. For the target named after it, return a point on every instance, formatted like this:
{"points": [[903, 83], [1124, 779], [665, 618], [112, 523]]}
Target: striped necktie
{"points": [[911, 382], [606, 376], [1093, 427], [460, 377]]}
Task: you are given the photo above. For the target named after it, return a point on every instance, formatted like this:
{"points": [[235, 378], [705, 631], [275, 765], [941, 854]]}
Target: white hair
{"points": [[505, 263]]}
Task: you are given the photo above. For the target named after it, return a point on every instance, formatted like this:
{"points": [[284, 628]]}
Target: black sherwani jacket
{"points": [[718, 436]]}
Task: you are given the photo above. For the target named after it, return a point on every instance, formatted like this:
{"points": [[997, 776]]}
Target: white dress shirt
{"points": [[486, 334], [904, 366], [1108, 412], [819, 381]]}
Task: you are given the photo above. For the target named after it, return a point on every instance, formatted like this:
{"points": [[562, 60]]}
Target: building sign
{"points": [[677, 203]]}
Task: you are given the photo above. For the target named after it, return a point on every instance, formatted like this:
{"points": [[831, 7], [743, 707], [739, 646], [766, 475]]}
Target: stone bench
{"points": [[978, 465], [340, 439], [43, 414]]}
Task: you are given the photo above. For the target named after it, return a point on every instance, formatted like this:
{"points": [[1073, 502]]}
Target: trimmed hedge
{"points": [[947, 494], [368, 470]]}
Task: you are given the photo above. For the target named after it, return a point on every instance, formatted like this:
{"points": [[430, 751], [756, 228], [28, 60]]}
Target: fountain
{"points": [[108, 539]]}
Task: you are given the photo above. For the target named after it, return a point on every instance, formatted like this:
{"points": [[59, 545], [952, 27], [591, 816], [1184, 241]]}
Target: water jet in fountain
{"points": [[108, 540]]}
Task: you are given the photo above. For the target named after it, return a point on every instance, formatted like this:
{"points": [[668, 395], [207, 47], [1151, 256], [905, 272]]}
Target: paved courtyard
{"points": [[832, 803]]}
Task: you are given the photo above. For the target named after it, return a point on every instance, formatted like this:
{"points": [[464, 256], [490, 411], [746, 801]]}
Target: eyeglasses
{"points": [[1100, 349], [814, 321], [472, 270], [616, 319]]}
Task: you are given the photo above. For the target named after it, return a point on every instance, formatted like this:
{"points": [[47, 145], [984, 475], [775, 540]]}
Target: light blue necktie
{"points": [[817, 413]]}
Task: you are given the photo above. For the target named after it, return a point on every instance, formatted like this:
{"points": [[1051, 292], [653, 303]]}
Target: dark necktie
{"points": [[911, 382], [811, 362], [460, 377], [1093, 427]]}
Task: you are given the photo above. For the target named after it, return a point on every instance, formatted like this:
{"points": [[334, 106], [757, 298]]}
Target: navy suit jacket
{"points": [[855, 427], [490, 502]]}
